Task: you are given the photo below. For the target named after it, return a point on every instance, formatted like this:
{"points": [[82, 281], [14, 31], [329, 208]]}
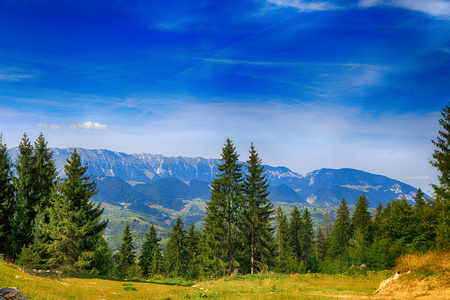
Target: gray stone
{"points": [[11, 293]]}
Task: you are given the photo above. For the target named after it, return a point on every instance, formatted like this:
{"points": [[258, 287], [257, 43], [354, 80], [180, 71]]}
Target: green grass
{"points": [[259, 286]]}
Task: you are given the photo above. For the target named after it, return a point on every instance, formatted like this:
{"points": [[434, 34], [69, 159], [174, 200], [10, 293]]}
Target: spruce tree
{"points": [[175, 257], [441, 161], [362, 220], [25, 200], [45, 174], [257, 209], [222, 211], [306, 239], [151, 244], [193, 252], [6, 198], [296, 226], [126, 252], [342, 232], [286, 261], [321, 246], [75, 219], [103, 257]]}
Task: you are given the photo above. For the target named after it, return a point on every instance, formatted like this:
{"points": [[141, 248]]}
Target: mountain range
{"points": [[167, 181]]}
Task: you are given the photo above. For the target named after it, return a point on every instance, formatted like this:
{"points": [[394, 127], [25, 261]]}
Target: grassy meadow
{"points": [[270, 286], [428, 278]]}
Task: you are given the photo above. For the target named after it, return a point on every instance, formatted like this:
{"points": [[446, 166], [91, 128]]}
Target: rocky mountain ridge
{"points": [[321, 187]]}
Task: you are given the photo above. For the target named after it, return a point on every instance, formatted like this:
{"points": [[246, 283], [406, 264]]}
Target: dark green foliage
{"points": [[321, 245], [256, 227], [295, 227], [45, 174], [441, 161], [342, 232], [25, 200], [193, 253], [103, 258], [75, 219], [306, 239], [223, 211], [176, 257], [362, 220], [6, 198], [151, 245], [286, 261], [126, 252]]}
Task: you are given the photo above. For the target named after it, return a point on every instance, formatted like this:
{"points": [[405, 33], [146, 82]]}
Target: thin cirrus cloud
{"points": [[435, 8], [88, 125], [304, 5], [50, 126]]}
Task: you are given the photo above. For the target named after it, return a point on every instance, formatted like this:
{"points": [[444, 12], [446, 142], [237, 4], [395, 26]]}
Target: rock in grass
{"points": [[11, 293]]}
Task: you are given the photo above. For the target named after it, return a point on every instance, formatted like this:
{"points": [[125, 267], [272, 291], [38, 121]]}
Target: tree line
{"points": [[52, 223]]}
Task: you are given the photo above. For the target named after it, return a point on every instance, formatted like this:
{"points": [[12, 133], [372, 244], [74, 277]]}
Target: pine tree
{"points": [[378, 221], [341, 233], [103, 257], [126, 252], [423, 219], [222, 211], [285, 262], [25, 200], [175, 257], [75, 219], [306, 239], [295, 228], [151, 244], [362, 220], [6, 198], [193, 253], [45, 174], [257, 209], [321, 246], [441, 161]]}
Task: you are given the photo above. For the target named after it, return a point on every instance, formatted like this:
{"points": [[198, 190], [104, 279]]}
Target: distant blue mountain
{"points": [[147, 178]]}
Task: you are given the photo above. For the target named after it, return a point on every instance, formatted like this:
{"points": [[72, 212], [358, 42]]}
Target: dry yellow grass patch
{"points": [[428, 277]]}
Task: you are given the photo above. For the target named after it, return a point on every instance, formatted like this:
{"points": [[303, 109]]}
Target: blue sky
{"points": [[313, 84]]}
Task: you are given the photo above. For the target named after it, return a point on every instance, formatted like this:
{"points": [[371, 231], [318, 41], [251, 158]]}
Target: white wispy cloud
{"points": [[6, 76], [304, 5], [435, 8], [418, 177], [88, 125], [50, 126]]}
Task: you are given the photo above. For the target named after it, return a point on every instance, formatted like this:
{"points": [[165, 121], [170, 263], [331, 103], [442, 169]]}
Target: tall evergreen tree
{"points": [[193, 252], [362, 220], [103, 257], [257, 209], [6, 198], [45, 185], [45, 174], [151, 244], [286, 261], [25, 200], [441, 161], [175, 257], [306, 239], [222, 211], [342, 232], [75, 219], [423, 219], [295, 228], [126, 252]]}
